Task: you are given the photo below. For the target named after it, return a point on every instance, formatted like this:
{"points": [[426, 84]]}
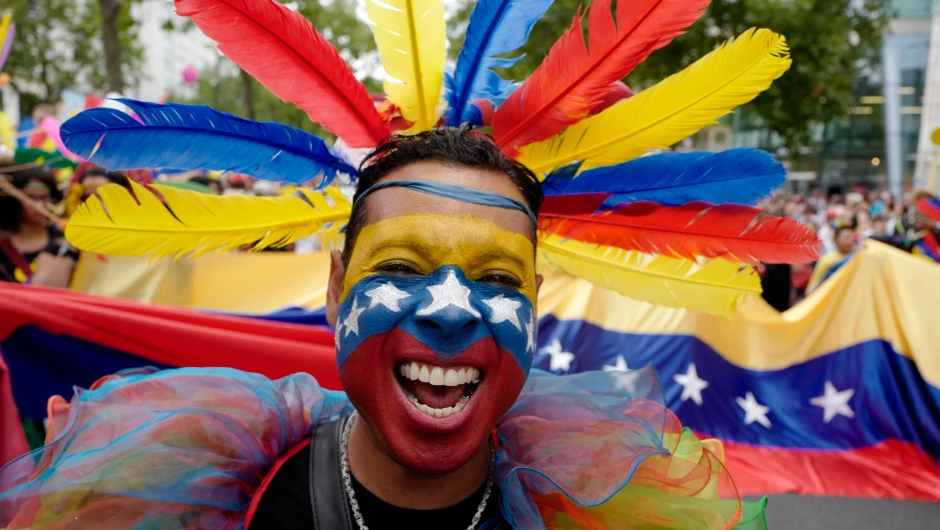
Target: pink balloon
{"points": [[190, 74]]}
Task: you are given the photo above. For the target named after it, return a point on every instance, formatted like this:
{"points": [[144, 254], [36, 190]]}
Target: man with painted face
{"points": [[443, 424], [433, 300]]}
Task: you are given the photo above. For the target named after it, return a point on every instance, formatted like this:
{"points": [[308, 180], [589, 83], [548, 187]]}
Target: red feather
{"points": [[737, 232], [284, 52], [615, 93], [571, 79]]}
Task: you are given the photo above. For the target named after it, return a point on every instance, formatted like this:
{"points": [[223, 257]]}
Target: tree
{"points": [[57, 46], [831, 41], [231, 90], [110, 38]]}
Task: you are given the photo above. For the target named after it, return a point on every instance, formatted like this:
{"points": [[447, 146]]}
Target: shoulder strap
{"points": [[16, 257], [327, 493]]}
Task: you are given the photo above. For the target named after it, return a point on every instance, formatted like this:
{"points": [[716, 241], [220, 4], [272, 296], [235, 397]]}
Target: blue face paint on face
{"points": [[444, 311]]}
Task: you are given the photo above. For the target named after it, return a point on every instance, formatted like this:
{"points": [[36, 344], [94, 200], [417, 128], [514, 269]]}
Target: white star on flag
{"points": [[834, 402], [619, 366], [451, 292], [351, 322], [753, 411], [504, 309], [387, 295], [561, 360], [531, 331], [626, 381], [692, 384]]}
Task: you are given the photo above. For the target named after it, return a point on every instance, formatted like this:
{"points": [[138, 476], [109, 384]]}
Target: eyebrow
{"points": [[495, 255], [413, 246], [425, 252]]}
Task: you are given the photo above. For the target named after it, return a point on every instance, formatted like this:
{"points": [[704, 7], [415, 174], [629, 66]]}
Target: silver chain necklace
{"points": [[351, 495]]}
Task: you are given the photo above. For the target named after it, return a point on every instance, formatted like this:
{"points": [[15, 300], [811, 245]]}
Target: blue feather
{"points": [[739, 176], [197, 137], [496, 27]]}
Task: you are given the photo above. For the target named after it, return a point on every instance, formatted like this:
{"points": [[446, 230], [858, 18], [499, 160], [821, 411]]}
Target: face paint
{"points": [[436, 333]]}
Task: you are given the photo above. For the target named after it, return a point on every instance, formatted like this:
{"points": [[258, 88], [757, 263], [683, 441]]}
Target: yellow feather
{"points": [[714, 286], [410, 35], [672, 110], [193, 222]]}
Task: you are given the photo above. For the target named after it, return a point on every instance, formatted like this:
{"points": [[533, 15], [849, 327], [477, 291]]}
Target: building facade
{"points": [[877, 143]]}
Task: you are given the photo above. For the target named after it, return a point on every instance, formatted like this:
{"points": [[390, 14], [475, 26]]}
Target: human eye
{"points": [[401, 268], [500, 278]]}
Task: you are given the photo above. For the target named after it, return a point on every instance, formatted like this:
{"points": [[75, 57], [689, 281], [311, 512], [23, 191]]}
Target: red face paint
{"points": [[418, 441]]}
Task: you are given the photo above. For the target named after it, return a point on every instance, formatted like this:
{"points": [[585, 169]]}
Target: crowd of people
{"points": [[842, 222]]}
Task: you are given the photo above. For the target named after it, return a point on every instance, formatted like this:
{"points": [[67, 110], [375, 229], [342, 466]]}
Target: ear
{"points": [[538, 283], [334, 290]]}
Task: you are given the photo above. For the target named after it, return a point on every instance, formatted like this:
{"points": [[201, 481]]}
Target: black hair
{"points": [[11, 210], [200, 179], [849, 227], [115, 177], [453, 146]]}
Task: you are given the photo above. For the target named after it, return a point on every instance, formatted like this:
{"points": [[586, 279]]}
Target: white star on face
{"points": [[619, 366], [753, 411], [451, 292], [339, 328], [692, 384], [387, 295], [561, 360], [834, 402], [351, 322], [530, 331], [504, 309]]}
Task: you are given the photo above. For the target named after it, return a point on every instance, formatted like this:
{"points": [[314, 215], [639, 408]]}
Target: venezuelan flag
{"points": [[838, 396]]}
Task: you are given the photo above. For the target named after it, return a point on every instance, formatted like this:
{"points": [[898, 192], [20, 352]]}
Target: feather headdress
{"points": [[674, 229]]}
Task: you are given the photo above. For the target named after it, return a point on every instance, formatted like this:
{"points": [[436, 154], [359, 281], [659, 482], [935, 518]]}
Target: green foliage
{"points": [[58, 46], [221, 87], [821, 33]]}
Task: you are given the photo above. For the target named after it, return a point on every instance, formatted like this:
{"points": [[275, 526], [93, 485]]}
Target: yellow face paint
{"points": [[426, 242]]}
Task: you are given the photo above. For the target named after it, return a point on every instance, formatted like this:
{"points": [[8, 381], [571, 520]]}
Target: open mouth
{"points": [[437, 391]]}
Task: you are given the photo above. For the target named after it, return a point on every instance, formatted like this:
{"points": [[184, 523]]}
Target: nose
{"points": [[449, 311], [450, 322]]}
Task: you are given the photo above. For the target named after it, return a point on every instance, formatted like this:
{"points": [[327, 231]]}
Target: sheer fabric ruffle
{"points": [[189, 448]]}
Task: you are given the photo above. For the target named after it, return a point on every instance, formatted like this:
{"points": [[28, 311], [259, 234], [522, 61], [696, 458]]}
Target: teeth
{"points": [[437, 413], [438, 376]]}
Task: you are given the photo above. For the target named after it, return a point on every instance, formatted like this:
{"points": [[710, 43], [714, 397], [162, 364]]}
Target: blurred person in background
{"points": [[32, 248], [775, 277], [845, 244], [800, 272], [86, 181], [879, 226], [96, 177], [213, 184]]}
